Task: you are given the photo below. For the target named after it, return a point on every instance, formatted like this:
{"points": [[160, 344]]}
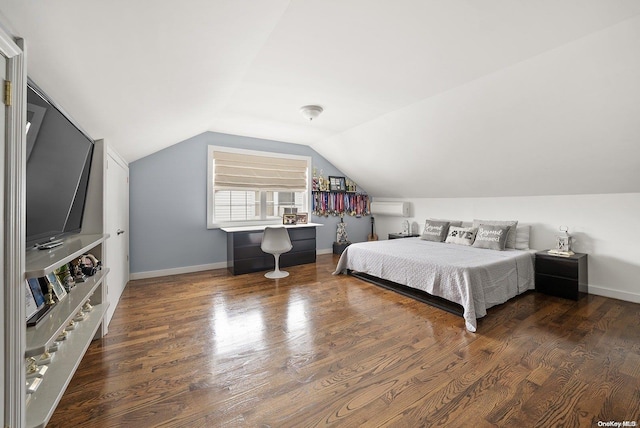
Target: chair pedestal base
{"points": [[276, 274]]}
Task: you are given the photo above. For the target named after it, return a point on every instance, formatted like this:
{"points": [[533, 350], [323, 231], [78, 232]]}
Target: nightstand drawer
{"points": [[557, 266], [556, 286]]}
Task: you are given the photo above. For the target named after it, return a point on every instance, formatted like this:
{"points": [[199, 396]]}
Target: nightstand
{"points": [[562, 276], [401, 235], [339, 247]]}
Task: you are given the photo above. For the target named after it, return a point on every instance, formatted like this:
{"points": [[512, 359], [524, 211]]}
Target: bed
{"points": [[474, 278]]}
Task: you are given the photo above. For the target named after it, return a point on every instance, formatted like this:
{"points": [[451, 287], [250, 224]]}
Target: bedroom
{"points": [[502, 111]]}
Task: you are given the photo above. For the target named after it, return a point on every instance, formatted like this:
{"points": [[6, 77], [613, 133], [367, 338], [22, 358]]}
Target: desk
{"points": [[244, 254]]}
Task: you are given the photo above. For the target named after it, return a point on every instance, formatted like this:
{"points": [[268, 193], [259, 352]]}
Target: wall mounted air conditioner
{"points": [[397, 209]]}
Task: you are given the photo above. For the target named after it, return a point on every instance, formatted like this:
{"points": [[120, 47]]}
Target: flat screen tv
{"points": [[58, 157]]}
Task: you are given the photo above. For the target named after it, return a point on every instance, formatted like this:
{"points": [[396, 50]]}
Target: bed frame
{"points": [[414, 293]]}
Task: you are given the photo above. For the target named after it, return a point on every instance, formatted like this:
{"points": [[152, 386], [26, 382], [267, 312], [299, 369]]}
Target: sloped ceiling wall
{"points": [[422, 98], [563, 122]]}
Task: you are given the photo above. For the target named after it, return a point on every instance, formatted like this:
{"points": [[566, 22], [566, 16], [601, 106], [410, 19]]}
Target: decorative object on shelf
{"points": [[337, 184], [89, 264], [65, 277], [337, 196], [79, 317], [62, 336], [332, 203], [87, 306], [55, 285], [302, 218], [32, 368], [33, 385], [45, 358], [563, 243], [406, 227], [70, 326], [311, 112], [289, 218], [351, 186]]}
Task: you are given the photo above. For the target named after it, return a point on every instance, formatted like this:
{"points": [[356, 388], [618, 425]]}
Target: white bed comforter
{"points": [[475, 278]]}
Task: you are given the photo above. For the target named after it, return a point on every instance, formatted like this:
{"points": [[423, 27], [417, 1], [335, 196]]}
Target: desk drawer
{"points": [[305, 245], [292, 259], [302, 233]]}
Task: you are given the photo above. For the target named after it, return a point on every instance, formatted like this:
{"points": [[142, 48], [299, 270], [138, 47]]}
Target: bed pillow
{"points": [[461, 235], [522, 237], [456, 223], [491, 237], [511, 237], [435, 230]]}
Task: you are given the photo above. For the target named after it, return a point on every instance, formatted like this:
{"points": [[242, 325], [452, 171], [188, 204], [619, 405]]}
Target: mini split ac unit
{"points": [[397, 209]]}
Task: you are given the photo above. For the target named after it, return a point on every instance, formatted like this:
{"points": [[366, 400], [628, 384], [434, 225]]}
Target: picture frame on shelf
{"points": [[302, 218], [337, 184], [57, 287], [43, 308], [289, 218], [36, 291], [31, 307]]}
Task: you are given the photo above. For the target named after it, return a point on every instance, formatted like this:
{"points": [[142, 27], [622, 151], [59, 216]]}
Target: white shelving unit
{"points": [[65, 361]]}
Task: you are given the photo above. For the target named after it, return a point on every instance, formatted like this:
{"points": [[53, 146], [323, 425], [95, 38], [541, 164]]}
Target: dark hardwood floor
{"points": [[210, 349]]}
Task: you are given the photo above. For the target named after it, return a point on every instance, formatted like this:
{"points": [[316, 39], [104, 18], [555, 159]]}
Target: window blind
{"points": [[243, 171]]}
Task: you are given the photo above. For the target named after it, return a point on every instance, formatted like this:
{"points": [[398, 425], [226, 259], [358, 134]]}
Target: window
{"points": [[251, 187]]}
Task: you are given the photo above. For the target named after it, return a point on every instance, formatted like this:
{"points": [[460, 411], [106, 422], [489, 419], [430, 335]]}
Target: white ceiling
{"points": [[407, 85]]}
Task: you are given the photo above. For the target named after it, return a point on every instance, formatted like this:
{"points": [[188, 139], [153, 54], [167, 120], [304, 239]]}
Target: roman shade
{"points": [[243, 171]]}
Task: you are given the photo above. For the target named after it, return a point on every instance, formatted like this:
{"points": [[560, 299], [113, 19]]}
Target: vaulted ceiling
{"points": [[422, 98]]}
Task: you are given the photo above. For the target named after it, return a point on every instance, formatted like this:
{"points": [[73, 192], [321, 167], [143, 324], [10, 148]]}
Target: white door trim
{"points": [[14, 234]]}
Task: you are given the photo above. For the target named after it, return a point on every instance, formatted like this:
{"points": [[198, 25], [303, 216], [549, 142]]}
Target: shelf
{"points": [[42, 335], [38, 263], [65, 362]]}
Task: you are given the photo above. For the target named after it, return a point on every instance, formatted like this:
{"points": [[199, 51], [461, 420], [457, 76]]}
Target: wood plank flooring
{"points": [[210, 349]]}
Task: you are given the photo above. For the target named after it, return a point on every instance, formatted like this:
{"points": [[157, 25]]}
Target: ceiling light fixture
{"points": [[311, 112]]}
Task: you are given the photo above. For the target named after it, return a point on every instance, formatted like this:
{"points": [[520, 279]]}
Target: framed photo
{"points": [[36, 291], [31, 306], [58, 289], [337, 184], [302, 218], [289, 218]]}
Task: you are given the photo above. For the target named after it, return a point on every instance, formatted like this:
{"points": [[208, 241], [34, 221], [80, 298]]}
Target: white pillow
{"points": [[511, 236], [522, 237], [456, 223], [461, 235]]}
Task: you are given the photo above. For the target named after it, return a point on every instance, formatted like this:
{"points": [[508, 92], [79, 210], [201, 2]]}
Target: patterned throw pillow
{"points": [[511, 238], [491, 237], [435, 230], [461, 235]]}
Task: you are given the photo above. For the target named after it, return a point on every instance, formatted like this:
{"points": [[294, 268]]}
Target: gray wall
{"points": [[168, 197]]}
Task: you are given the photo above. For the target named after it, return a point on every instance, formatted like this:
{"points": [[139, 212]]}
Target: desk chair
{"points": [[276, 241]]}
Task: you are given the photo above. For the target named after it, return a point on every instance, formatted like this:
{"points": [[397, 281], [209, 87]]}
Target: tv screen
{"points": [[58, 165]]}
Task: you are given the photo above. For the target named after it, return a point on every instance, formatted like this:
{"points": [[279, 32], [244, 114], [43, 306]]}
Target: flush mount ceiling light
{"points": [[311, 112]]}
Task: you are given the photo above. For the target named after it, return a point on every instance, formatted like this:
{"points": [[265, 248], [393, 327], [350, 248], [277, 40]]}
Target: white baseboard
{"points": [[177, 271], [197, 268], [614, 294]]}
